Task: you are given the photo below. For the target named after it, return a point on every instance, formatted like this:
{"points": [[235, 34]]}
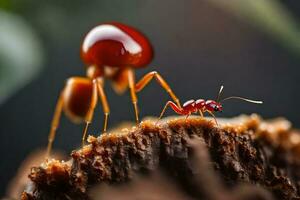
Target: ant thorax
{"points": [[200, 104], [189, 106]]}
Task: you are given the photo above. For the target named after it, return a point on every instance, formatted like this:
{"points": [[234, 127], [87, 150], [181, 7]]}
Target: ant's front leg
{"points": [[212, 114]]}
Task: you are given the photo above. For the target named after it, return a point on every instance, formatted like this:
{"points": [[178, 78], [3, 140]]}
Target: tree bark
{"points": [[242, 158]]}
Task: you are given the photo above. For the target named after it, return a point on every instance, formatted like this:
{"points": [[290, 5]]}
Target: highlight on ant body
{"points": [[110, 51], [202, 106]]}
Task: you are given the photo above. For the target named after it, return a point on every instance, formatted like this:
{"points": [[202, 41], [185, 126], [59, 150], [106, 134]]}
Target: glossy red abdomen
{"points": [[77, 98], [116, 45]]}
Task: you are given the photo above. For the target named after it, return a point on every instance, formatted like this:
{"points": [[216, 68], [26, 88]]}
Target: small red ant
{"points": [[202, 106]]}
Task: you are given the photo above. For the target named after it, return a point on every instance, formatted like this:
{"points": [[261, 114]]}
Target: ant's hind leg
{"points": [[104, 102], [163, 111], [55, 123], [177, 109], [148, 77]]}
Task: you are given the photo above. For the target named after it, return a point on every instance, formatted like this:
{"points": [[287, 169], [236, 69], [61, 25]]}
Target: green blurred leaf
{"points": [[5, 4], [269, 16], [21, 54]]}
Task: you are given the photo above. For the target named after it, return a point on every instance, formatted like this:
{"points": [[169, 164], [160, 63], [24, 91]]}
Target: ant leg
{"points": [[55, 123], [148, 77], [164, 110], [84, 133], [90, 114], [201, 113], [187, 116], [104, 102], [213, 117], [173, 106], [131, 80]]}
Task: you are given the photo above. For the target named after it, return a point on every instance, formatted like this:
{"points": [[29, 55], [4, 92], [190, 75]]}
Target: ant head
{"points": [[213, 106]]}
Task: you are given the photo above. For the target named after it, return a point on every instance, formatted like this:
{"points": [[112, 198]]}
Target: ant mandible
{"points": [[112, 51], [202, 106]]}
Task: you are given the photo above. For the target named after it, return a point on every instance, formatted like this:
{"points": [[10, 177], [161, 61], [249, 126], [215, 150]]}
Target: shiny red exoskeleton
{"points": [[117, 45], [199, 105], [110, 51], [203, 106]]}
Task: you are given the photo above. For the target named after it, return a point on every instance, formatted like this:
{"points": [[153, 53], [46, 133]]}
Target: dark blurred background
{"points": [[253, 49]]}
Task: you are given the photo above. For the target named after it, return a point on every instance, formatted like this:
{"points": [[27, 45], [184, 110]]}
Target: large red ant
{"points": [[202, 106], [111, 51]]}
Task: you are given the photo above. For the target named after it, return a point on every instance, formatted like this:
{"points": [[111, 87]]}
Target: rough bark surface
{"points": [[242, 151]]}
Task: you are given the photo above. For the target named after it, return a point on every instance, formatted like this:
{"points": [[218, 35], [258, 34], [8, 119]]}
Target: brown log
{"points": [[242, 158]]}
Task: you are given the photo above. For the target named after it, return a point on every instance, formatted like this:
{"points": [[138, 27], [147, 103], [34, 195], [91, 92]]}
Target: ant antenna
{"points": [[241, 98], [219, 94]]}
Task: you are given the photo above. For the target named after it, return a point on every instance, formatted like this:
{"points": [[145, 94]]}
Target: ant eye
{"points": [[216, 108]]}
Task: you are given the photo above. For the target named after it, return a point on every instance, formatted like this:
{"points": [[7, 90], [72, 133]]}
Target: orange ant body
{"points": [[202, 106], [110, 51]]}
